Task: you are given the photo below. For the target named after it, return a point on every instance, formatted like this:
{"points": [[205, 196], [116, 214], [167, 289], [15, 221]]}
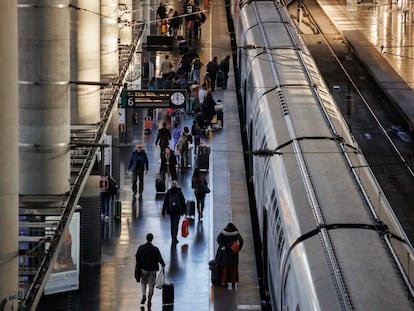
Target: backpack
{"points": [[174, 207], [202, 17], [197, 64]]}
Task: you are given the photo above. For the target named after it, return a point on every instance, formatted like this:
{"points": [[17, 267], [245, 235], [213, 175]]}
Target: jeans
{"points": [[137, 175]]}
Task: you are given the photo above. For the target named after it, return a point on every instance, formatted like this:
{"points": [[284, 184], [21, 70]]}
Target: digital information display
{"points": [[156, 98]]}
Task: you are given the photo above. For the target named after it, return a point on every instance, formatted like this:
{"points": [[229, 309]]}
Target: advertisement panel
{"points": [[65, 275]]}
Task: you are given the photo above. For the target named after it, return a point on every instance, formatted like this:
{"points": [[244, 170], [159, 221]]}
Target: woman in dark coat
{"points": [[208, 108], [199, 184], [227, 256]]}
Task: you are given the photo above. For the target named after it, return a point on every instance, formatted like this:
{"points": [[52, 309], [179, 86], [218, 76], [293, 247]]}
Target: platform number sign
{"points": [[172, 98]]}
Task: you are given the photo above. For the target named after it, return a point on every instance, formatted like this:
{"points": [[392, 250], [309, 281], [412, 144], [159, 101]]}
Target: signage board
{"points": [[166, 98]]}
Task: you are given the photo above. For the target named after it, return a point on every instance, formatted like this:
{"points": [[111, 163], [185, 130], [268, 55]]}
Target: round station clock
{"points": [[177, 98]]}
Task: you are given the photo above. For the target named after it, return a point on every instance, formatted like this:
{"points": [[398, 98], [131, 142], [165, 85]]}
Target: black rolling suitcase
{"points": [[215, 272], [190, 208], [203, 158], [167, 294], [160, 183], [117, 209]]}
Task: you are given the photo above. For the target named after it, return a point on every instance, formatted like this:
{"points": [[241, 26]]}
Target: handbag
{"points": [[234, 247], [160, 280], [204, 188], [184, 228]]}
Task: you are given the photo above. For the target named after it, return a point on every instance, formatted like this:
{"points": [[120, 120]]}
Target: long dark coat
{"points": [[224, 255]]}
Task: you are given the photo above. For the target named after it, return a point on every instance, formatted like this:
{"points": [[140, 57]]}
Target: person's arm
{"points": [[158, 138], [130, 161], [160, 259], [165, 204], [240, 241], [184, 207], [145, 162]]}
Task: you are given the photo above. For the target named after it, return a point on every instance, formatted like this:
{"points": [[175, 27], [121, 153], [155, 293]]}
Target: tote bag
{"points": [[160, 280]]}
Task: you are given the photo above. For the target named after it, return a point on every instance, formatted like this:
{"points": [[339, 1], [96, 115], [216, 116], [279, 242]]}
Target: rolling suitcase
{"points": [[203, 158], [148, 125], [118, 209], [190, 208], [215, 272], [167, 294], [159, 183]]}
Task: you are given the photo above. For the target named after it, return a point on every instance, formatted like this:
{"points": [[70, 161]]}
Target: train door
{"points": [[250, 143], [265, 253]]}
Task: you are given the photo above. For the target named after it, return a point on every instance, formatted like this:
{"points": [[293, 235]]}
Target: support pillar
{"points": [[44, 102], [9, 184], [109, 40], [85, 62]]}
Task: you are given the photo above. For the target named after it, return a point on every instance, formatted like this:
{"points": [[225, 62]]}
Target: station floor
{"points": [[110, 285]]}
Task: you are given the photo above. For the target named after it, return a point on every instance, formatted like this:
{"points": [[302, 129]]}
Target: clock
{"points": [[177, 98]]}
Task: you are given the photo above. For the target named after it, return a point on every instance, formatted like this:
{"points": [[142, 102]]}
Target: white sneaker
{"points": [[229, 287]]}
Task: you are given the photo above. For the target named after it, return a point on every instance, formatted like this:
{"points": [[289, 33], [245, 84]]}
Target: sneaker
{"points": [[143, 300], [106, 218], [229, 287]]}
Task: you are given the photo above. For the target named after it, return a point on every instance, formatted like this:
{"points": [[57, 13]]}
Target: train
{"points": [[323, 244]]}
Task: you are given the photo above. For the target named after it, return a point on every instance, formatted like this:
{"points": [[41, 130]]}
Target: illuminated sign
{"points": [[156, 98]]}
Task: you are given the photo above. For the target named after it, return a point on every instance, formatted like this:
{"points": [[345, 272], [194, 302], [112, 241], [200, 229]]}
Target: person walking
{"points": [[196, 132], [195, 70], [174, 205], [148, 258], [166, 67], [138, 164], [182, 147], [230, 242], [163, 137], [199, 184], [168, 167]]}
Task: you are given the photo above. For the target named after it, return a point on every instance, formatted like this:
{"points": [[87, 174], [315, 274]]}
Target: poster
{"points": [[65, 274]]}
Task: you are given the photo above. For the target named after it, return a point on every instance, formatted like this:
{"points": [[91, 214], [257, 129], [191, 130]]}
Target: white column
{"points": [[109, 39], [125, 26], [44, 104], [85, 62], [9, 185]]}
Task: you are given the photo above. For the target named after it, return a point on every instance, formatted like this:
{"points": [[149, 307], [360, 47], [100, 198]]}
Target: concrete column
{"points": [[109, 39], [9, 185], [44, 106], [137, 10], [85, 62], [125, 25], [150, 15]]}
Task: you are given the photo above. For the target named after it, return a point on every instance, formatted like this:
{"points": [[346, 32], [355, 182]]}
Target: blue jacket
{"points": [[138, 161]]}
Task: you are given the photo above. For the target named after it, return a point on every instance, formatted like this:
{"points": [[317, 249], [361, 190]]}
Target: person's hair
{"points": [[186, 129], [164, 124], [150, 236], [196, 173]]}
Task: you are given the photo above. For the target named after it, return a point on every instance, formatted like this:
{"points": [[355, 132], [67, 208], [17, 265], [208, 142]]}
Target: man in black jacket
{"points": [[163, 137], [138, 164], [147, 258], [174, 205]]}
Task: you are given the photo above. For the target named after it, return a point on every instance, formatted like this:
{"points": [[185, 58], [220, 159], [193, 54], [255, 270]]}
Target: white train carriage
{"points": [[321, 246]]}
